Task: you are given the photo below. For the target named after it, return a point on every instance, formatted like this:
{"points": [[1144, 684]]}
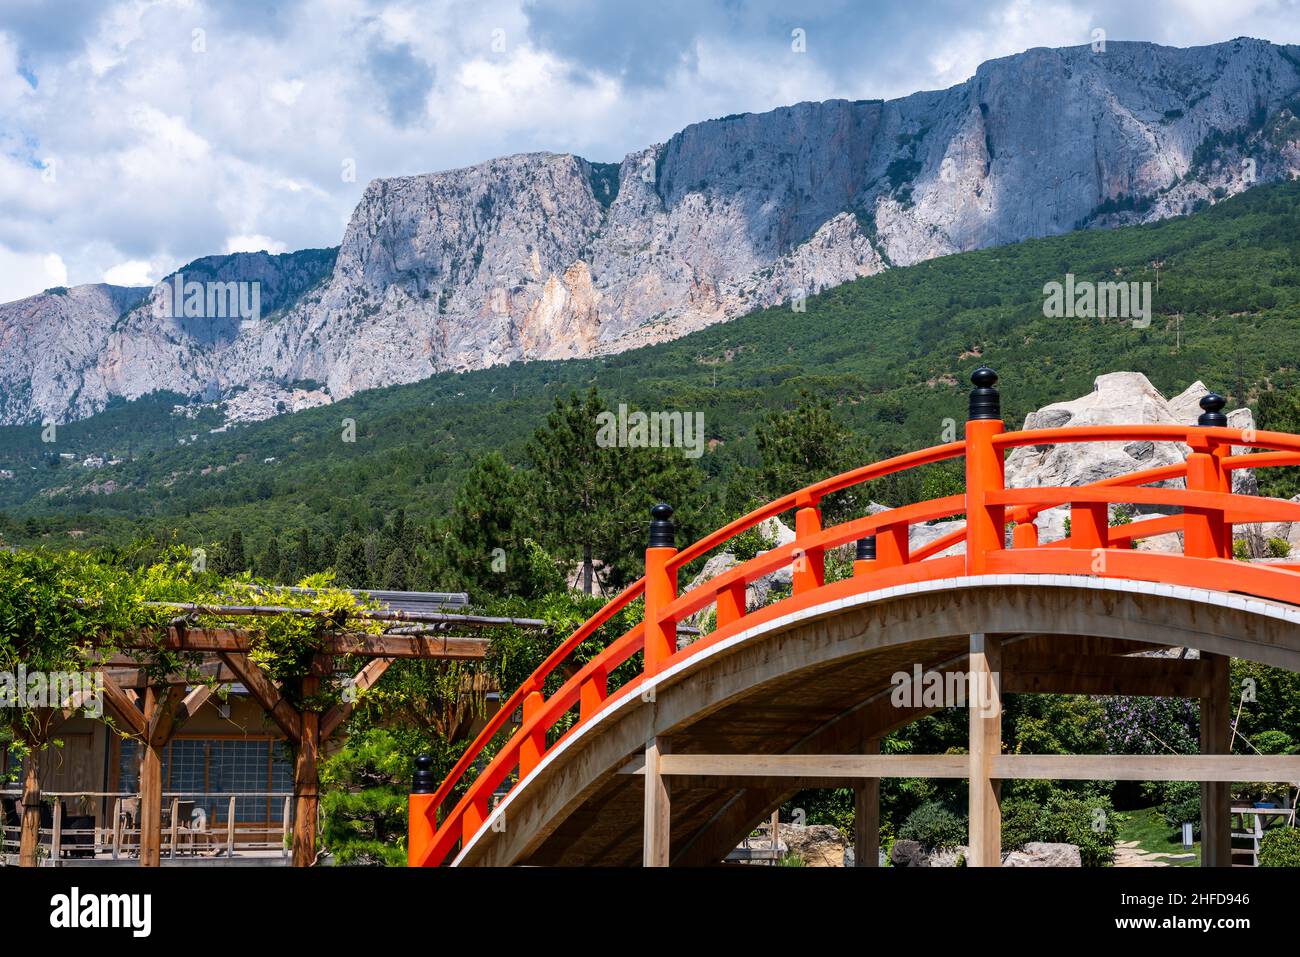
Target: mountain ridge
{"points": [[549, 255]]}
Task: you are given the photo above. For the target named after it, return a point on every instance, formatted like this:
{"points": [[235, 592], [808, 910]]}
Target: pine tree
{"points": [[233, 557], [350, 562], [269, 566], [304, 561], [804, 445], [482, 546], [592, 501], [396, 571]]}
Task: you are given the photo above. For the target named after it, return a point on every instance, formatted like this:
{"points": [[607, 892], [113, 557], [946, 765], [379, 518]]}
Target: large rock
{"points": [[756, 594], [819, 845], [1036, 854], [1118, 398], [906, 853]]}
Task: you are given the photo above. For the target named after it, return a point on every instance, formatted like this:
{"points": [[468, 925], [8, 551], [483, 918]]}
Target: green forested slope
{"points": [[892, 353]]}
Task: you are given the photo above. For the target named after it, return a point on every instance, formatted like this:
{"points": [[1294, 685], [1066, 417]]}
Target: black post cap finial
{"points": [[424, 781], [867, 549], [1213, 404], [662, 529], [985, 403]]}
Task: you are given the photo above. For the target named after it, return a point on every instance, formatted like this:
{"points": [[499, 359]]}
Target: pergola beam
{"points": [[375, 646], [267, 694], [848, 768], [333, 719]]}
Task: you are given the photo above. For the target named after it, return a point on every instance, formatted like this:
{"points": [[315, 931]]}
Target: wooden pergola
{"points": [[152, 708]]}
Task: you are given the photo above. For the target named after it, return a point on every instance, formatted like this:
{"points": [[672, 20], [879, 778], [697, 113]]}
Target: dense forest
{"points": [[889, 352]]}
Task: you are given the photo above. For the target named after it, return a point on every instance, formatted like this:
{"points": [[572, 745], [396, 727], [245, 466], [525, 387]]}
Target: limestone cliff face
{"points": [[542, 256]]}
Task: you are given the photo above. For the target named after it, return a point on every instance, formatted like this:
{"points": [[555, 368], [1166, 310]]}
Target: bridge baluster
{"points": [[1206, 534], [731, 604], [660, 589], [1025, 535], [892, 546], [985, 472], [592, 694], [810, 565], [533, 746], [1089, 525], [473, 818]]}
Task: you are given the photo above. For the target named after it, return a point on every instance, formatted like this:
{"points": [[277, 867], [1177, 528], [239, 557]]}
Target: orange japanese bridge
{"points": [[684, 758]]}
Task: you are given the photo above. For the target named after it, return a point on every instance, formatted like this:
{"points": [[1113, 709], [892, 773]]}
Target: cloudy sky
{"points": [[136, 135]]}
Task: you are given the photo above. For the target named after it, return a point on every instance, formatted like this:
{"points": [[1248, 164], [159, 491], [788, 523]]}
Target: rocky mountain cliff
{"points": [[543, 256]]}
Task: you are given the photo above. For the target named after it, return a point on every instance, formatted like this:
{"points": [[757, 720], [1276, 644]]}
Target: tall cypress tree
{"points": [[350, 562], [234, 559]]}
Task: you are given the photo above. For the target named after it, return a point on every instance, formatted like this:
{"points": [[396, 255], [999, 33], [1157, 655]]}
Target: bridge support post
{"points": [[810, 567], [419, 808], [658, 810], [984, 701], [660, 589], [1216, 738], [866, 816], [985, 472], [1206, 534]]}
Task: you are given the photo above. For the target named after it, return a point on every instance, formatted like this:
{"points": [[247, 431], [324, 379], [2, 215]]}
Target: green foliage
{"points": [[363, 803], [749, 543], [591, 499], [934, 827], [805, 444], [1086, 820], [1280, 848], [1180, 802]]}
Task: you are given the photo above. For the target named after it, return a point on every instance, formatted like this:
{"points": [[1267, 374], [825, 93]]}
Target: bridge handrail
{"points": [[1014, 505]]}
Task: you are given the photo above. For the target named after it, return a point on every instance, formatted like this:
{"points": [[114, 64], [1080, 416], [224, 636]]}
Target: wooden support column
{"points": [[29, 839], [985, 706], [866, 816], [1216, 738], [36, 737], [655, 849], [306, 772], [160, 706]]}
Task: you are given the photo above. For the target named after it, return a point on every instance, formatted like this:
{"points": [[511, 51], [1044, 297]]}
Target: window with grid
{"points": [[216, 765]]}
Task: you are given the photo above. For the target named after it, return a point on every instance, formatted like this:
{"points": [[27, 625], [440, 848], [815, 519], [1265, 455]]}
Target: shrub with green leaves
{"points": [[1180, 801], [934, 827], [1280, 848]]}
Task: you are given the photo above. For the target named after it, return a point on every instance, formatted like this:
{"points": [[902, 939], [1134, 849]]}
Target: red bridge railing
{"points": [[1209, 510]]}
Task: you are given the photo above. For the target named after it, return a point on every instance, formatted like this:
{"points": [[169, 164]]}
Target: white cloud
{"points": [[26, 274], [134, 272]]}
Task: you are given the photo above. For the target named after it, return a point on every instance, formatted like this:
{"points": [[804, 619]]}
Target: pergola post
{"points": [[36, 736], [985, 706], [29, 839], [1216, 738], [159, 714], [866, 816], [306, 772], [655, 849]]}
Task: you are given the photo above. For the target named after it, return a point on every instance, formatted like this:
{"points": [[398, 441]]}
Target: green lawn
{"points": [[1148, 828]]}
